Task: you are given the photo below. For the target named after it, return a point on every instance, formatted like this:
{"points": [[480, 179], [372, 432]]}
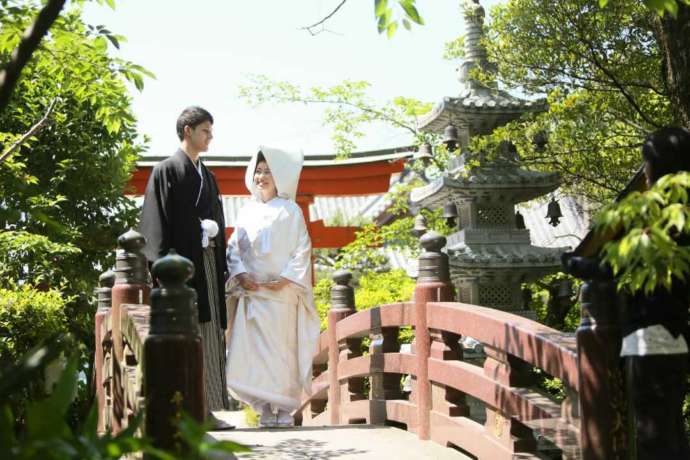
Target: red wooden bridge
{"points": [[484, 406]]}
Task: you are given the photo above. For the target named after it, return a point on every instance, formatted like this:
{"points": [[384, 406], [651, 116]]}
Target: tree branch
{"points": [[322, 21], [30, 41], [629, 97], [32, 131], [377, 113]]}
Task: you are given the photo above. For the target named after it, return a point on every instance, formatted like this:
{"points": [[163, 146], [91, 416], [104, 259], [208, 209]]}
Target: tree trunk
{"points": [[673, 37]]}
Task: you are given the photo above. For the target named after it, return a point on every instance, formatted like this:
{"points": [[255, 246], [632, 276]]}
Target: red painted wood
{"points": [[322, 236], [330, 180], [470, 379], [423, 294], [334, 315], [361, 366], [530, 341], [468, 435], [101, 317], [391, 315], [397, 410], [122, 294]]}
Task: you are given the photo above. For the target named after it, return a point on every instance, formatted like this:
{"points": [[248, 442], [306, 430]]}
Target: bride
{"points": [[275, 328]]}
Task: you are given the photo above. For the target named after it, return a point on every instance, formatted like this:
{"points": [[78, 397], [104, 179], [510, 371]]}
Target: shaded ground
{"points": [[321, 443]]}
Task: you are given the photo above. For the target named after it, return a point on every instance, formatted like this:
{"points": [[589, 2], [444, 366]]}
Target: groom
{"points": [[183, 210]]}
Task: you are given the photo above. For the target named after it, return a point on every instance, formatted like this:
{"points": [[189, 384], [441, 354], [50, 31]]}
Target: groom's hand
{"points": [[247, 281]]}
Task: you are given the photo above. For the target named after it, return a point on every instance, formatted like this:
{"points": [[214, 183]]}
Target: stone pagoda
{"points": [[490, 254]]}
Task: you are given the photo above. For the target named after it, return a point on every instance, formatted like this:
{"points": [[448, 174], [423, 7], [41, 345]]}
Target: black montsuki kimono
{"points": [[171, 218]]}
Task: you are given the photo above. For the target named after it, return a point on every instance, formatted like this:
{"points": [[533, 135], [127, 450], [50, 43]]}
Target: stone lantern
{"points": [[490, 255]]}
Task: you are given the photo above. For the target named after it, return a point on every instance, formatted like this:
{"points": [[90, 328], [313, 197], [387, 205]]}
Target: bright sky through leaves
{"points": [[200, 52]]}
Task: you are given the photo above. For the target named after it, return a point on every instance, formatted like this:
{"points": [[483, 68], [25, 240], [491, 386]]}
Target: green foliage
{"points": [[364, 253], [196, 445], [686, 409], [348, 107], [647, 255], [541, 299], [250, 416], [382, 288], [659, 6], [371, 289], [388, 22], [47, 186], [62, 202], [600, 70], [28, 256], [341, 220], [322, 298], [47, 435], [552, 386], [28, 316]]}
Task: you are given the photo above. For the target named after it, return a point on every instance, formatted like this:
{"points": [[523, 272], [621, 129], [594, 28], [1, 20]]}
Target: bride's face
{"points": [[263, 179]]}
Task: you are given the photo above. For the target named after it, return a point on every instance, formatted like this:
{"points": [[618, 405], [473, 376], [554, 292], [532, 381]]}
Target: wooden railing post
{"points": [[342, 305], [382, 386], [445, 346], [602, 399], [601, 389], [173, 353], [103, 347], [131, 287], [433, 285]]}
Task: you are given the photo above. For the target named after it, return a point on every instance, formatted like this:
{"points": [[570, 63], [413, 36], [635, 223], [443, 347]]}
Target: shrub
{"points": [[28, 316], [322, 299], [381, 288], [373, 289]]}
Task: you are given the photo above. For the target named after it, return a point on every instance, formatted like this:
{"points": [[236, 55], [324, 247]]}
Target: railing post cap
{"points": [[432, 241], [131, 241], [107, 279], [173, 269], [342, 277]]}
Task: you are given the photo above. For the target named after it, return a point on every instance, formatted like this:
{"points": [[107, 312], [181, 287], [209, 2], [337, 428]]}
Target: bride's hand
{"points": [[247, 281], [276, 285]]}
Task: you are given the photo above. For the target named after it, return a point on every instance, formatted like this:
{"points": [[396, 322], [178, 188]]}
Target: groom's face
{"points": [[200, 136]]}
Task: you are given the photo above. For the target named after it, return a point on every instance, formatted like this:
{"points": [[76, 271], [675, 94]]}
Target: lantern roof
{"points": [[504, 255], [499, 180], [480, 107]]}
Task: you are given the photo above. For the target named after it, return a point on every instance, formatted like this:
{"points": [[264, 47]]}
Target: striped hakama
{"points": [[213, 339]]}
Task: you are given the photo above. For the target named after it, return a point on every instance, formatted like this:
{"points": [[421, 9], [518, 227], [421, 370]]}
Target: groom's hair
{"points": [[192, 116], [667, 151]]}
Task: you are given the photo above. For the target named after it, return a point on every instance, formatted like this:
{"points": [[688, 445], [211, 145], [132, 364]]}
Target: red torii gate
{"points": [[363, 173]]}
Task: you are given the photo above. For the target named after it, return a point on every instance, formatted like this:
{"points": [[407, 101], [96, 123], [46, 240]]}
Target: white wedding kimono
{"points": [[274, 333]]}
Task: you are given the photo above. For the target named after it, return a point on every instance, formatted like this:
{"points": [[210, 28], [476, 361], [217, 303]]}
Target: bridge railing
{"points": [[148, 348], [486, 405]]}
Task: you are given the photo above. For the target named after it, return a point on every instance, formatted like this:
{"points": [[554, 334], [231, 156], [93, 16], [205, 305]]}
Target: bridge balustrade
{"points": [[355, 386], [486, 405], [148, 356]]}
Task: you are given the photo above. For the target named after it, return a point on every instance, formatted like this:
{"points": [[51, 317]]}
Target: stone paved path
{"points": [[342, 442]]}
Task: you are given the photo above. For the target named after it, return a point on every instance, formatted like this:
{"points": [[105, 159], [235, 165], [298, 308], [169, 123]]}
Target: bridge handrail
{"points": [[440, 378], [549, 349], [521, 337], [149, 350], [541, 346], [353, 385]]}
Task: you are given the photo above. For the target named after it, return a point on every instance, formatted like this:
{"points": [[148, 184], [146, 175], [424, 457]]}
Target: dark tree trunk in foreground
{"points": [[673, 37]]}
